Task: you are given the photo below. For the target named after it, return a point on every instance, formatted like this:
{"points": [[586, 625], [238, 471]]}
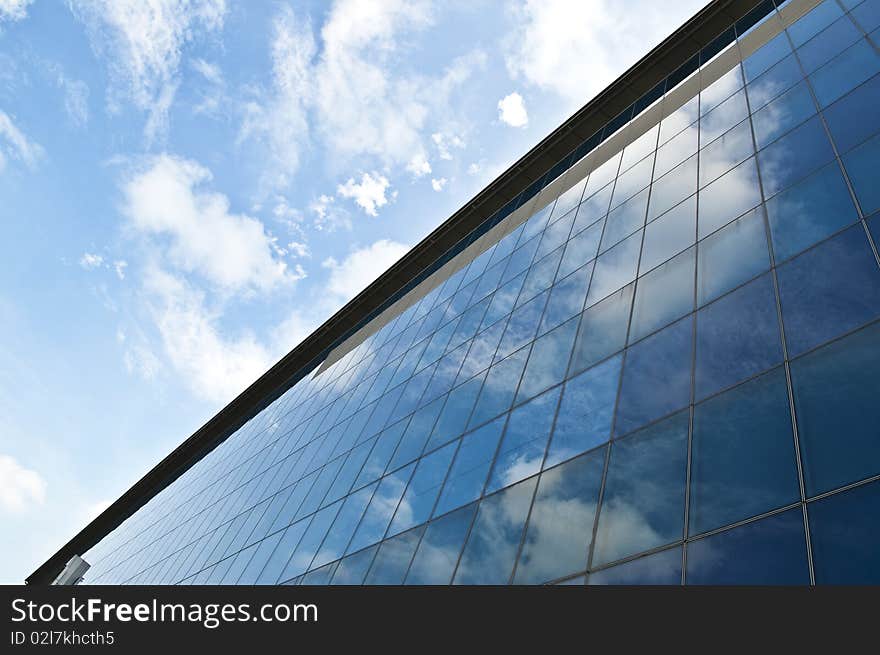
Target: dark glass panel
{"points": [[743, 459], [845, 72], [835, 397], [844, 533], [656, 377], [829, 290], [862, 164], [854, 117], [770, 551], [737, 337]]}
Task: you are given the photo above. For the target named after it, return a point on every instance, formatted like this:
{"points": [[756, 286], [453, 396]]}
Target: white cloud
{"points": [[438, 185], [140, 360], [13, 10], [329, 216], [209, 71], [143, 43], [20, 488], [368, 194], [419, 166], [119, 266], [512, 110], [90, 261], [444, 143], [281, 124], [298, 249], [231, 250], [577, 47], [347, 79], [475, 167], [361, 267], [215, 365], [76, 99], [14, 144]]}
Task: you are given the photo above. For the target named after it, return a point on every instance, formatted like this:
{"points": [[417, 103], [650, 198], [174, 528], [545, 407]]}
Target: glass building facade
{"points": [[663, 368]]}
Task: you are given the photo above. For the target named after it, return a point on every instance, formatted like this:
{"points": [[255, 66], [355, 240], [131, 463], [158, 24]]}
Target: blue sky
{"points": [[188, 188]]}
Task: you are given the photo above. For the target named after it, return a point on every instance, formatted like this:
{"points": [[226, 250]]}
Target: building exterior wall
{"points": [[663, 369]]}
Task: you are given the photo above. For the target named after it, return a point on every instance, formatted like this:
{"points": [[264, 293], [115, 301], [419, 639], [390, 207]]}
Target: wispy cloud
{"points": [[12, 10], [142, 43], [361, 266], [14, 144]]}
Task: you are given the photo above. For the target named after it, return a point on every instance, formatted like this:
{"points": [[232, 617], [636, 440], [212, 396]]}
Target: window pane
{"points": [[522, 326], [310, 542], [525, 440], [560, 527], [585, 413], [726, 152], [615, 268], [822, 47], [393, 559], [729, 196], [721, 89], [352, 569], [548, 361], [418, 501], [861, 165], [470, 468], [580, 249], [603, 329], [632, 181], [455, 413], [643, 505], [378, 515], [743, 454], [656, 377], [828, 290], [845, 72], [592, 209], [676, 150], [809, 211], [566, 299], [835, 397], [344, 526], [814, 22], [678, 120], [844, 533], [625, 220], [438, 552], [854, 117], [723, 117], [777, 79], [602, 175], [540, 276], [794, 156], [663, 295], [766, 56], [670, 234], [497, 393], [790, 109], [731, 256], [673, 187], [737, 337], [663, 568], [641, 147], [491, 548], [770, 551], [379, 457]]}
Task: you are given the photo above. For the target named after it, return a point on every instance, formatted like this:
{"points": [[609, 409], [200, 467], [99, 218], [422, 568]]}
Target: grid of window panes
{"points": [[670, 374]]}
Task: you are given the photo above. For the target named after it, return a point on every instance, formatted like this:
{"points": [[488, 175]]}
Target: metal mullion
{"points": [[778, 301]]}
